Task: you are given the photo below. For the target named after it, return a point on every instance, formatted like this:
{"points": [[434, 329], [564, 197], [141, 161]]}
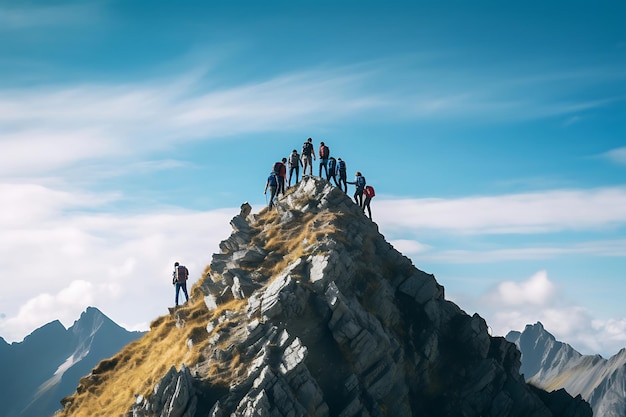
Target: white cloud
{"points": [[511, 305], [539, 212], [68, 258], [406, 246], [537, 290]]}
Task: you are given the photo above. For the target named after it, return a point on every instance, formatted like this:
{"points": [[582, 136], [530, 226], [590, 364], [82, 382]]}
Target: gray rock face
{"points": [[333, 321], [552, 365]]}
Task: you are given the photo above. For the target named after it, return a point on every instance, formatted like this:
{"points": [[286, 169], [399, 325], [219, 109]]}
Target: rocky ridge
{"points": [[317, 315], [551, 364]]}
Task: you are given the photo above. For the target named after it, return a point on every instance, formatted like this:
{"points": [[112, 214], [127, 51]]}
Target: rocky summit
{"points": [[309, 311]]}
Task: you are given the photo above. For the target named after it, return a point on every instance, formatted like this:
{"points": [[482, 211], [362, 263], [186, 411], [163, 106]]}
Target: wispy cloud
{"points": [[540, 212], [602, 248], [25, 16], [617, 155], [97, 121]]}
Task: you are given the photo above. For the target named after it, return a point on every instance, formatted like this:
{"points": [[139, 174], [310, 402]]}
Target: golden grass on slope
{"points": [[288, 242], [111, 387]]}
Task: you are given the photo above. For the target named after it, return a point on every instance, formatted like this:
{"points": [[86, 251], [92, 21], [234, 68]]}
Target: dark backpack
{"points": [[307, 148], [277, 168], [181, 273], [360, 181], [342, 166], [332, 164], [324, 152]]}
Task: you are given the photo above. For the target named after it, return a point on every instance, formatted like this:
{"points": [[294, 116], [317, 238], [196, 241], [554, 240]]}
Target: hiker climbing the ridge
{"points": [[272, 184], [294, 165], [280, 169], [179, 279], [324, 154], [359, 182], [308, 156], [343, 174], [283, 175], [369, 194], [332, 170]]}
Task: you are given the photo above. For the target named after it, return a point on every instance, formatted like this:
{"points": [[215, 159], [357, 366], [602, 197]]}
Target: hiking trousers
{"points": [[291, 170], [182, 285]]}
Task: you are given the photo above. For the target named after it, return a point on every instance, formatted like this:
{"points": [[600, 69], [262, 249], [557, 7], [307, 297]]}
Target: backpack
{"points": [[369, 191], [277, 168], [342, 166], [332, 164], [271, 180], [360, 181], [181, 273], [324, 152], [307, 148]]}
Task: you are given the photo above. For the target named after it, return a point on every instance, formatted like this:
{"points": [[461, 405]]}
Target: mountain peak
{"points": [[308, 310]]}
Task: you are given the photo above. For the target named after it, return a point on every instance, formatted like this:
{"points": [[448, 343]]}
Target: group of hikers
{"points": [[334, 169]]}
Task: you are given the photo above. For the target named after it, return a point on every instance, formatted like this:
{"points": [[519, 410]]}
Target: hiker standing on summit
{"points": [[179, 279], [343, 175], [324, 154], [294, 165], [308, 156]]}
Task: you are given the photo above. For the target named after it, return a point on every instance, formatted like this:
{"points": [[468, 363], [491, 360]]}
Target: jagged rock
{"points": [[173, 396]]}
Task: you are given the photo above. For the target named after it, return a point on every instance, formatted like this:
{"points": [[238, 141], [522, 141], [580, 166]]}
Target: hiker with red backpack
{"points": [[179, 279], [359, 182], [280, 169], [324, 154], [369, 194], [308, 156]]}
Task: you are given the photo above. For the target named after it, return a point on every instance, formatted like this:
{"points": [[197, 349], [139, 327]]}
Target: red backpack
{"points": [[369, 191]]}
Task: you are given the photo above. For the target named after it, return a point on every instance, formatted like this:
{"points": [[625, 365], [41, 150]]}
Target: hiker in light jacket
{"points": [[294, 165]]}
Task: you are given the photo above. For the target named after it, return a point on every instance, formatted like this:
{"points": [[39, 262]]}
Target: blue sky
{"points": [[495, 135]]}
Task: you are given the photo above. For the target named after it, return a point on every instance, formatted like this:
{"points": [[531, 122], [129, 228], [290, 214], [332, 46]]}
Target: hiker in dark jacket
{"points": [[343, 174], [324, 154], [359, 182], [179, 279], [294, 165], [272, 184], [332, 170], [308, 156]]}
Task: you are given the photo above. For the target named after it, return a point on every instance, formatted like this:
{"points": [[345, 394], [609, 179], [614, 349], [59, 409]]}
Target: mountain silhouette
{"points": [[309, 311], [48, 363]]}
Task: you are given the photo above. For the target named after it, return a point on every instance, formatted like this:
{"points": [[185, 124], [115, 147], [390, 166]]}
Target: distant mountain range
{"points": [[550, 365], [48, 363]]}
